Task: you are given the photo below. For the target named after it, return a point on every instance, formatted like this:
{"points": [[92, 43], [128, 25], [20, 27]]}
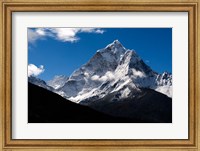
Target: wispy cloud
{"points": [[108, 76], [33, 36], [147, 61], [61, 34], [33, 70]]}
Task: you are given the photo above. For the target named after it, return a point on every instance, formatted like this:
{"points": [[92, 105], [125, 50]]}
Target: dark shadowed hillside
{"points": [[148, 106], [47, 107]]}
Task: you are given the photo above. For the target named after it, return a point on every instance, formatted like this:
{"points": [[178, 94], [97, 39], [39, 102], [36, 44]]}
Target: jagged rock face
{"points": [[40, 83], [58, 81], [113, 69]]}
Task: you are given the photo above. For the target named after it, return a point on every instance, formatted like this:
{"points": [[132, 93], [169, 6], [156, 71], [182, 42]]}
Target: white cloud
{"points": [[33, 36], [40, 31], [108, 76], [95, 77], [61, 34], [34, 70], [64, 34], [92, 30], [138, 73], [100, 31]]}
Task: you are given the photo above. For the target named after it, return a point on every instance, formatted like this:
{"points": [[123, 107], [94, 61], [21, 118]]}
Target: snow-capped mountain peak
{"points": [[115, 44], [113, 51], [113, 69]]}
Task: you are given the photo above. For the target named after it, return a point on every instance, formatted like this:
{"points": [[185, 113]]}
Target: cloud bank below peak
{"points": [[60, 34]]}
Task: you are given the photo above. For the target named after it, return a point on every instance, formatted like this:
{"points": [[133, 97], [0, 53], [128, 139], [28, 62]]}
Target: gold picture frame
{"points": [[9, 6]]}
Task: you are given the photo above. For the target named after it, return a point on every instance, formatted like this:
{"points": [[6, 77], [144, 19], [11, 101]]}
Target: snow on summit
{"points": [[112, 70]]}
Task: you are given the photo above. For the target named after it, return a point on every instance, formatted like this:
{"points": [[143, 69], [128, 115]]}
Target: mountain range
{"points": [[117, 82]]}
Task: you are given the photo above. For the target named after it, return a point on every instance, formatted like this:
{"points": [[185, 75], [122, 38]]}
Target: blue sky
{"points": [[59, 51]]}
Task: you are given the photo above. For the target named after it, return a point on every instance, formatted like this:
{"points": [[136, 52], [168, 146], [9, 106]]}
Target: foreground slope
{"points": [[149, 106], [47, 107]]}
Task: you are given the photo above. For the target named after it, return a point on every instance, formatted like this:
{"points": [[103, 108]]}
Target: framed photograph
{"points": [[82, 75]]}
